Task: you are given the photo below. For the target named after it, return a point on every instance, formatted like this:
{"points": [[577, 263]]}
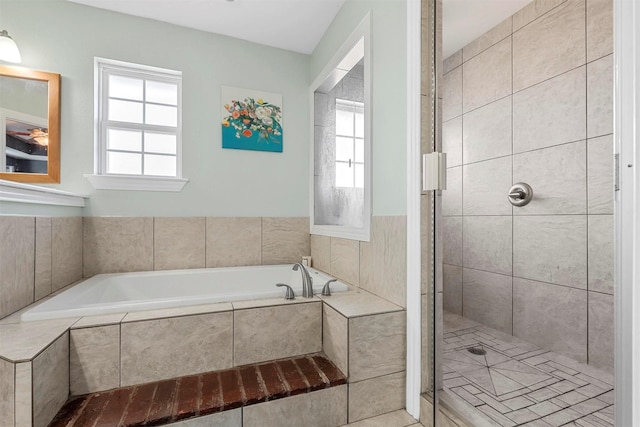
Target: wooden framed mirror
{"points": [[29, 125]]}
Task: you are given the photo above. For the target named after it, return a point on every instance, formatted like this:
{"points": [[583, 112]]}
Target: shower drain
{"points": [[477, 351]]}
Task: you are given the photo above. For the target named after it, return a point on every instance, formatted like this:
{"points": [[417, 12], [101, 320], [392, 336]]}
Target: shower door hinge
{"points": [[434, 171], [616, 168]]}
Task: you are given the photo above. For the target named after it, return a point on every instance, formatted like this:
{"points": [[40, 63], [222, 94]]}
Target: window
{"points": [[349, 144], [138, 127]]}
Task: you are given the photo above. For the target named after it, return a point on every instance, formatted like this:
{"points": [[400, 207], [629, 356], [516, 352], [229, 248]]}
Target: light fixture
{"points": [[8, 49]]}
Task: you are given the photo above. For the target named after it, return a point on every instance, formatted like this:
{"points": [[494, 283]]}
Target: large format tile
{"points": [[487, 243], [327, 408], [452, 240], [550, 113], [383, 260], [376, 396], [153, 350], [285, 240], [488, 298], [117, 244], [94, 363], [600, 97], [43, 257], [487, 132], [454, 60], [452, 196], [233, 242], [600, 171], [452, 288], [601, 331], [17, 263], [7, 390], [398, 418], [335, 338], [478, 90], [51, 381], [377, 345], [23, 341], [558, 178], [549, 46], [600, 253], [599, 28], [532, 11], [345, 260], [24, 395], [66, 251], [276, 332], [452, 141], [358, 302], [230, 418], [452, 94], [178, 243], [485, 187], [553, 317], [488, 39], [321, 253]]}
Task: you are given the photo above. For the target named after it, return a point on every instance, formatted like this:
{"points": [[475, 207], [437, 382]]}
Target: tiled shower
{"points": [[531, 101]]}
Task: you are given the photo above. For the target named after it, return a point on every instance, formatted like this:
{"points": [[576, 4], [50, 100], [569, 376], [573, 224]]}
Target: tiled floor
{"points": [[517, 383]]}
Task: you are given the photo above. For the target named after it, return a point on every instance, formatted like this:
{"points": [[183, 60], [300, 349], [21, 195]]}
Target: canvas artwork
{"points": [[251, 120]]}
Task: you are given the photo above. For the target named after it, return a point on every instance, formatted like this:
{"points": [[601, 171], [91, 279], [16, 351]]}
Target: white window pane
{"points": [[125, 87], [344, 149], [159, 165], [359, 155], [360, 125], [159, 143], [344, 123], [359, 176], [127, 140], [161, 115], [125, 111], [124, 163], [163, 93], [344, 175]]}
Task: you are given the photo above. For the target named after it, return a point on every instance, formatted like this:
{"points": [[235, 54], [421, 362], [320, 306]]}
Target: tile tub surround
{"points": [[553, 130]]}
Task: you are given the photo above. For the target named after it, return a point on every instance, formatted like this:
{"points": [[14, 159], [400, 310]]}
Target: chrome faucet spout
{"points": [[307, 282]]}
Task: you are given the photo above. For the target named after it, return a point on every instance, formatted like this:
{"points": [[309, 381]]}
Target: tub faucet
{"points": [[307, 281]]}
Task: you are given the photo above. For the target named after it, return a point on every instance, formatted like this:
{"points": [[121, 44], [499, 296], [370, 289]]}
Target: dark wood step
{"points": [[167, 401]]}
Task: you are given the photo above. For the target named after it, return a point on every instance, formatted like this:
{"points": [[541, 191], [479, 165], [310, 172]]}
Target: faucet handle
{"points": [[289, 294], [326, 290]]}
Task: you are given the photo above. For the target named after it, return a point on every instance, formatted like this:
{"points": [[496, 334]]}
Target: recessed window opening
{"points": [[349, 144]]}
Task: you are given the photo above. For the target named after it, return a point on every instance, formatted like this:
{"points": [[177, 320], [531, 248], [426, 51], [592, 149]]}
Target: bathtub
{"points": [[127, 292]]}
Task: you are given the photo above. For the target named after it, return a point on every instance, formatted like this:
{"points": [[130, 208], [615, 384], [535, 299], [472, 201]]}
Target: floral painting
{"points": [[251, 120]]}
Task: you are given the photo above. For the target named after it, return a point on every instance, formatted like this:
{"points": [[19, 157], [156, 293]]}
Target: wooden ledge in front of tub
{"points": [[167, 401]]}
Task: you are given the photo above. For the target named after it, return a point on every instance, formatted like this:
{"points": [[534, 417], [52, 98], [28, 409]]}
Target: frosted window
{"points": [[344, 123], [159, 143], [125, 140], [359, 125], [125, 111], [359, 148], [344, 175], [125, 87], [159, 165], [161, 115], [344, 149], [359, 176], [162, 93], [124, 163]]}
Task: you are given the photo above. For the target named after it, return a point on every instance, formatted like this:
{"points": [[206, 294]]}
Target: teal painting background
{"points": [[254, 142]]}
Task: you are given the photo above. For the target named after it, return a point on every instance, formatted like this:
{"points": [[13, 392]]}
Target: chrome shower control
{"points": [[520, 194]]}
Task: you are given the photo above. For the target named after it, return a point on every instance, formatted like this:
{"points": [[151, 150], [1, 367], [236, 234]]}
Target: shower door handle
{"points": [[520, 194]]}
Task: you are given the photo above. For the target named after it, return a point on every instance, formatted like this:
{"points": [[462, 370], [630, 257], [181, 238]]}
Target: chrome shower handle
{"points": [[289, 294], [520, 194]]}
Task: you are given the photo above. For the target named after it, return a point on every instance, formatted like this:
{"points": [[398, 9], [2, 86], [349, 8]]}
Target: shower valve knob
{"points": [[520, 194]]}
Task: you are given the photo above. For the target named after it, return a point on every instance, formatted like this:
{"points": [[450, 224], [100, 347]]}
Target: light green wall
{"points": [[65, 37], [389, 145]]}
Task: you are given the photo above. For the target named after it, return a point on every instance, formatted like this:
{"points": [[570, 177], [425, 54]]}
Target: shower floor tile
{"points": [[516, 383]]}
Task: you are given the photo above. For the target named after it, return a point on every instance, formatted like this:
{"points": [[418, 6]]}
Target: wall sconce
{"points": [[8, 49]]}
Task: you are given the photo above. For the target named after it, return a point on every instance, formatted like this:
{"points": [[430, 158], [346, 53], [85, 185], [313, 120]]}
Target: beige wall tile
{"points": [[551, 249], [600, 175], [452, 196], [234, 242], [558, 178], [383, 260], [117, 244], [25, 340], [376, 396], [335, 338], [66, 251], [487, 132], [321, 252], [359, 302], [285, 240], [327, 408], [539, 120], [549, 46], [396, 419], [532, 11], [600, 253], [451, 95], [94, 363], [377, 345], [452, 292], [51, 381], [178, 243], [7, 390], [488, 39], [24, 395], [232, 418], [600, 97], [487, 299], [553, 317], [165, 348], [601, 331], [487, 243], [477, 89], [276, 332], [452, 141], [345, 260], [485, 187], [43, 257], [17, 263], [452, 240], [599, 28], [453, 61]]}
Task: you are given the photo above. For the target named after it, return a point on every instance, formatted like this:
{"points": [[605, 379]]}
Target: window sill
{"points": [[26, 193], [136, 183]]}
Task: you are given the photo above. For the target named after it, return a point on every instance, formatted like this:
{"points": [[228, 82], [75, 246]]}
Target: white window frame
{"points": [[354, 107], [100, 179]]}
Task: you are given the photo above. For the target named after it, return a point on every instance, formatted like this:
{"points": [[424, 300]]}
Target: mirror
{"points": [[29, 125], [341, 191]]}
